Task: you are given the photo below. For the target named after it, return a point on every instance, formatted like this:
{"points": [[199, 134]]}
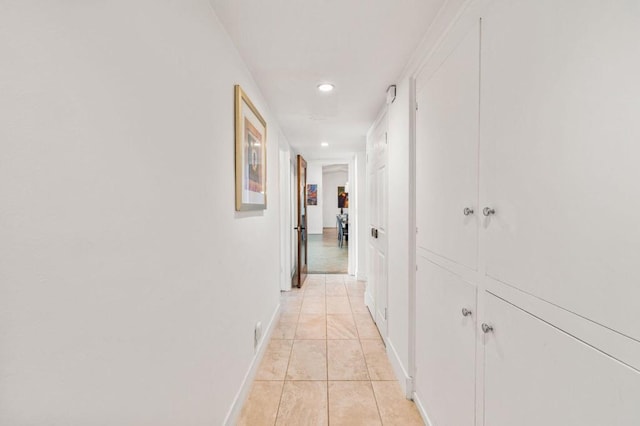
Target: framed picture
{"points": [[343, 198], [251, 154], [312, 194]]}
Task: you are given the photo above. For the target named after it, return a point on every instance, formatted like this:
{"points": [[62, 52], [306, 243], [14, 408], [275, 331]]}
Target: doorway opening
{"points": [[328, 210]]}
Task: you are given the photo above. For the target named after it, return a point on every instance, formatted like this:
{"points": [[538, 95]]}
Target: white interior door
{"points": [[447, 155], [445, 345], [535, 374], [377, 284], [559, 141]]}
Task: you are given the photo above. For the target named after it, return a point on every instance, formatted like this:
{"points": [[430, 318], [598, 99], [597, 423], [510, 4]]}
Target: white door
{"points": [[377, 173], [535, 374], [445, 345], [447, 154], [559, 154]]}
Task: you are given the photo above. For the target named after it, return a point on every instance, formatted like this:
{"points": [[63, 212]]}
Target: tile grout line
{"points": [[284, 380], [366, 363], [326, 345]]}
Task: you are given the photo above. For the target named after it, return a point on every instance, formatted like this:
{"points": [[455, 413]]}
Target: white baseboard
{"points": [[370, 303], [361, 277], [421, 410], [241, 396], [399, 370]]}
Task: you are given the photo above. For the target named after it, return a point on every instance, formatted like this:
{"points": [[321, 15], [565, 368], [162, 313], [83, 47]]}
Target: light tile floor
{"points": [[326, 363]]}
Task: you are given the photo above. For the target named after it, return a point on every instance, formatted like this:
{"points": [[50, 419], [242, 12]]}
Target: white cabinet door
{"points": [[445, 345], [560, 136], [447, 155], [535, 374]]}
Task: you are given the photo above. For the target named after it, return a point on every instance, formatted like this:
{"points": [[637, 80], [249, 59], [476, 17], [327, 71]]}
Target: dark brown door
{"points": [[301, 226]]}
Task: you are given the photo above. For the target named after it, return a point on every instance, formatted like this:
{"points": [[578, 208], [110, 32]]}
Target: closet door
{"points": [[445, 346], [535, 374], [447, 155], [560, 136]]}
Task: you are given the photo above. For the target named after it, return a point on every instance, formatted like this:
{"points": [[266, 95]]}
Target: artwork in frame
{"points": [[312, 194], [251, 154], [343, 198]]}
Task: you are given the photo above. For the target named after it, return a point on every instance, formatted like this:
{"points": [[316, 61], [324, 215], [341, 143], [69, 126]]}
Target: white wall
{"points": [[129, 286], [330, 183], [314, 219]]}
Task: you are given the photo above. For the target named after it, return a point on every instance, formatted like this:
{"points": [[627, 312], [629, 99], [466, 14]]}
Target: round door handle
{"points": [[467, 211], [486, 328], [466, 312], [488, 211]]}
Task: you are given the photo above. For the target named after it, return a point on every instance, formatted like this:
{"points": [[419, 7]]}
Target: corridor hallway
{"points": [[325, 254], [326, 363]]}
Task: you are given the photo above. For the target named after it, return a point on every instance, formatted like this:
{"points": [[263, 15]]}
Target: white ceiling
{"points": [[361, 46]]}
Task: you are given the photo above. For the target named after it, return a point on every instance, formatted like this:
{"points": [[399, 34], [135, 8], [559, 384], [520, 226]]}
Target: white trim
{"points": [[247, 382], [399, 370], [421, 410]]}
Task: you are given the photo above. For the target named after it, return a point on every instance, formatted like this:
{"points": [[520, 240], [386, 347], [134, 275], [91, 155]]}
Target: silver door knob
{"points": [[467, 211], [486, 328], [488, 211], [466, 312]]}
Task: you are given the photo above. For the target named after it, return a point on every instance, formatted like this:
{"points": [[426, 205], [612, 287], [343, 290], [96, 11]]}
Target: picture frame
{"points": [[343, 198], [250, 154], [312, 194]]}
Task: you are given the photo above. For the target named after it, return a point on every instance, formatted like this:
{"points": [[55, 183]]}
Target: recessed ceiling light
{"points": [[324, 144], [325, 87]]}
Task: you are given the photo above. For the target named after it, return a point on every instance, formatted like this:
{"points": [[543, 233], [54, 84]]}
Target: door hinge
{"points": [[416, 106], [416, 229]]}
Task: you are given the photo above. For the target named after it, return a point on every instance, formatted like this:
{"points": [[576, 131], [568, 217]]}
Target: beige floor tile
{"points": [[311, 326], [261, 406], [315, 291], [335, 289], [290, 305], [286, 327], [357, 304], [346, 360], [341, 326], [352, 404], [293, 293], [275, 361], [377, 360], [355, 290], [314, 279], [394, 408], [313, 305], [335, 278], [308, 360], [338, 305], [303, 403], [366, 327]]}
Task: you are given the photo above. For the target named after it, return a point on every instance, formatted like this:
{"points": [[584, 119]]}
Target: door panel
{"points": [[447, 155], [535, 374], [381, 249], [445, 345], [376, 293], [559, 140], [301, 226]]}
